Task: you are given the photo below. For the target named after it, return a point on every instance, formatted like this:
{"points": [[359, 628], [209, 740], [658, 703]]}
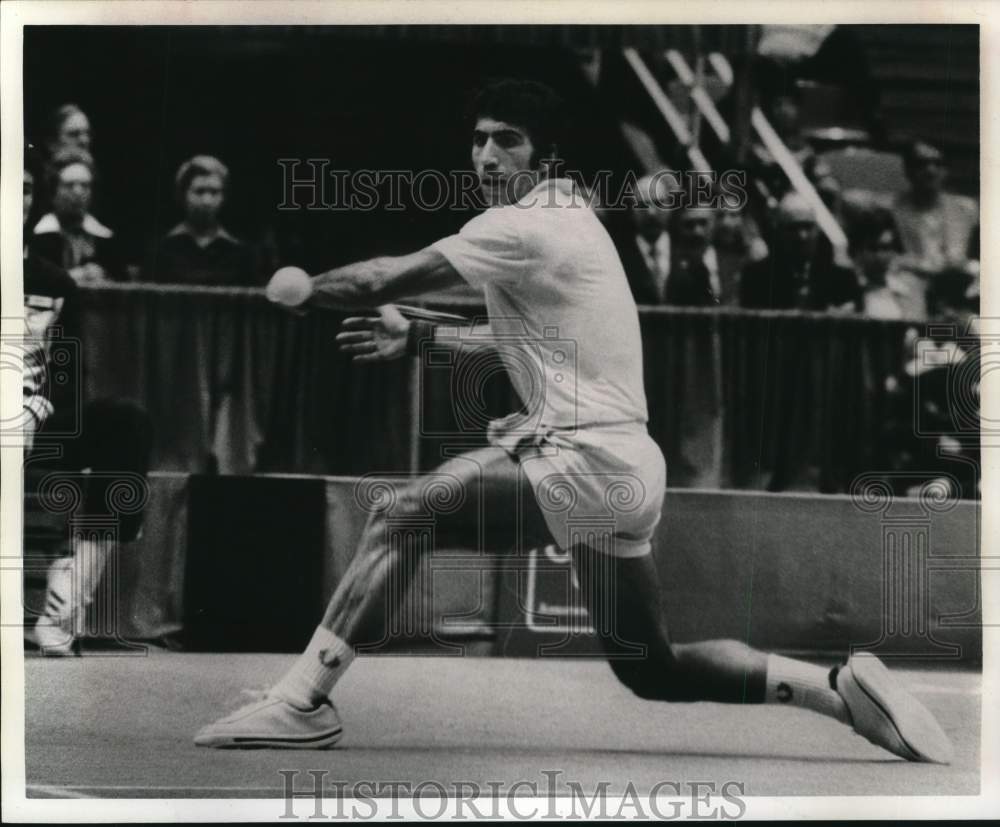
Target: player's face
{"points": [[203, 199], [501, 156], [29, 195], [72, 196]]}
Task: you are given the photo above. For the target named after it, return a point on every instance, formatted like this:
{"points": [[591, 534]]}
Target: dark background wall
{"points": [[392, 97], [157, 95]]}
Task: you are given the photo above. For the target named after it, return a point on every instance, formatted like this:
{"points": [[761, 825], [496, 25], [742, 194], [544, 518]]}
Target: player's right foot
{"points": [[889, 716], [272, 723]]}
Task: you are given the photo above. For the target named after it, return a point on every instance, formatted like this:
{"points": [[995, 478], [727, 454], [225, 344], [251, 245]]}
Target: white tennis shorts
{"points": [[601, 486]]}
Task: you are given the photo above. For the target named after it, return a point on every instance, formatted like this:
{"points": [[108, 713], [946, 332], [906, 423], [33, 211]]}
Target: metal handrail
{"points": [[698, 95], [802, 185], [771, 140], [669, 112]]}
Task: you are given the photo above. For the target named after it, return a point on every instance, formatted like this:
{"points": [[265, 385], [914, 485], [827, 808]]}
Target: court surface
{"points": [[100, 726]]}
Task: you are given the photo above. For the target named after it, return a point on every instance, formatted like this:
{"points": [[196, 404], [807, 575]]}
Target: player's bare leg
{"points": [[624, 598], [478, 500]]}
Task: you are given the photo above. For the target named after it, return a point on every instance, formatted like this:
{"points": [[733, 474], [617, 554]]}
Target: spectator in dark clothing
{"points": [[890, 290], [69, 236], [200, 250], [798, 274], [737, 242], [644, 242], [932, 432], [782, 108], [95, 447], [829, 55], [693, 278], [68, 127]]}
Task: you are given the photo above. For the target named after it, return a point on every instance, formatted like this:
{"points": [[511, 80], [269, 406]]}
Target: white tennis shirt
{"points": [[560, 307], [563, 318]]}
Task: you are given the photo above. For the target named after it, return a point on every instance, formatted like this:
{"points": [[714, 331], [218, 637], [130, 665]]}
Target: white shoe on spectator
{"points": [[53, 630]]}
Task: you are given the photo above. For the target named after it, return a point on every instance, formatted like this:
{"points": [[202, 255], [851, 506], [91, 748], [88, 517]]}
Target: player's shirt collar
{"points": [[553, 191]]}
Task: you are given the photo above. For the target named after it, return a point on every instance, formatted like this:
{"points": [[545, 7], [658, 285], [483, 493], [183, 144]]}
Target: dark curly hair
{"points": [[535, 107]]}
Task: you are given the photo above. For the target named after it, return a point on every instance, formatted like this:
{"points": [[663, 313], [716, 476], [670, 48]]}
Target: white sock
{"points": [[802, 684], [59, 590], [89, 559], [316, 671]]}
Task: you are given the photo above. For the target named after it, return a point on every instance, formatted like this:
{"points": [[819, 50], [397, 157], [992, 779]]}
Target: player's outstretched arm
{"points": [[382, 280]]}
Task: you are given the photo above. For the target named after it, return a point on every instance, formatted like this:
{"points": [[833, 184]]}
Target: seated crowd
{"points": [[198, 250], [778, 257], [770, 254]]}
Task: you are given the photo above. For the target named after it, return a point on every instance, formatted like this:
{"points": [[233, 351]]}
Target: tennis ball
{"points": [[289, 287]]}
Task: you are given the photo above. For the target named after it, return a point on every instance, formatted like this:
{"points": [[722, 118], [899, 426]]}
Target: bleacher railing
{"points": [[736, 398]]}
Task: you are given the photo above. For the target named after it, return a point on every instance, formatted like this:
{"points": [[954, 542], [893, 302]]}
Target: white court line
{"points": [[52, 790], [69, 790]]}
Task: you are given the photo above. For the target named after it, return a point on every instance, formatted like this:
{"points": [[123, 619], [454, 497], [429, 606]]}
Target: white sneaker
{"points": [[51, 637], [52, 631], [888, 715], [273, 723]]}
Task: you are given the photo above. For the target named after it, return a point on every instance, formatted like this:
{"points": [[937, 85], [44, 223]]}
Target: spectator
{"points": [[820, 174], [69, 236], [783, 111], [693, 274], [890, 290], [936, 227], [109, 438], [833, 56], [644, 246], [799, 273], [68, 127], [737, 242], [200, 250], [932, 431]]}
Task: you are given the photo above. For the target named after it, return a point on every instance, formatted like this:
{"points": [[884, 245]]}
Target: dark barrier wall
{"points": [[791, 572], [232, 385], [736, 398], [361, 98]]}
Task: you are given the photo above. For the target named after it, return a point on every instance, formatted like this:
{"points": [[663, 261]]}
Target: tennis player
{"points": [[551, 275]]}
